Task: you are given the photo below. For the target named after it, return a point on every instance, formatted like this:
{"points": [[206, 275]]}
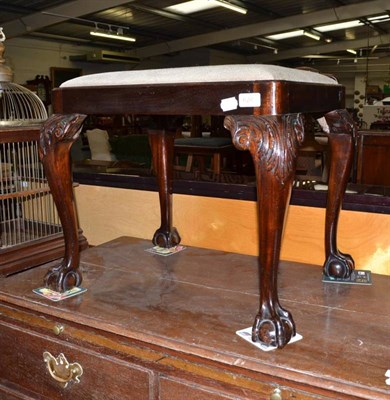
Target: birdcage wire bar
{"points": [[27, 209]]}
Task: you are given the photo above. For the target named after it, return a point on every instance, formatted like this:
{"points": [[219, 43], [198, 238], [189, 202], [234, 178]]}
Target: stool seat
{"points": [[200, 74], [250, 89]]}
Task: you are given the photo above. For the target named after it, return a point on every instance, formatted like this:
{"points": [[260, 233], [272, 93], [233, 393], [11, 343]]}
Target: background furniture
{"points": [[152, 327], [216, 148], [134, 148], [373, 157], [99, 145]]}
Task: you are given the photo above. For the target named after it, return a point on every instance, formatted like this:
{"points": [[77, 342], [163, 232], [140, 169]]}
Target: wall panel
{"points": [[231, 225]]}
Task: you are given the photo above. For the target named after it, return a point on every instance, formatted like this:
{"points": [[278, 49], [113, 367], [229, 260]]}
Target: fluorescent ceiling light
{"points": [[321, 56], [341, 25], [193, 6], [286, 35], [231, 6], [376, 21], [378, 18], [112, 35], [352, 51], [312, 35]]}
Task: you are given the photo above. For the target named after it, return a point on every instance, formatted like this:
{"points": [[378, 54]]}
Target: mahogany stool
{"points": [[264, 108]]}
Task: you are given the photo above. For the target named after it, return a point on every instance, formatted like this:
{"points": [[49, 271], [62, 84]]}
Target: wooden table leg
{"points": [[273, 143], [216, 163], [57, 136], [161, 142], [341, 131]]}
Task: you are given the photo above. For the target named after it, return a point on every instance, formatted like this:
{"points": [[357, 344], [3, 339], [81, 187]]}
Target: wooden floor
{"points": [[193, 302]]}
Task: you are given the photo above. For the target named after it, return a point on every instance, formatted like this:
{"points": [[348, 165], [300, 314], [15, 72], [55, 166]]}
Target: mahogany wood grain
{"points": [[8, 394], [161, 143], [171, 322], [35, 253], [341, 131], [273, 143], [19, 134], [373, 157], [172, 389], [278, 97], [57, 136], [125, 381]]}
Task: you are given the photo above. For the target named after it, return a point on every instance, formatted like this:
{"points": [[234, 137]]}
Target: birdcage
{"points": [[30, 229]]}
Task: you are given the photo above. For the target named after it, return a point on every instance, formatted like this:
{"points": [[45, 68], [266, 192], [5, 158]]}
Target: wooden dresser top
{"points": [[193, 302]]}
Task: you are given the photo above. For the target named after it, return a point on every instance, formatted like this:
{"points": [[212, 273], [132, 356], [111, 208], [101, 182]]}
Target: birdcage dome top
{"points": [[18, 105]]}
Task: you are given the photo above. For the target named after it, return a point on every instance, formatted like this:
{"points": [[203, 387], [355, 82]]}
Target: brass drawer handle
{"points": [[60, 369]]}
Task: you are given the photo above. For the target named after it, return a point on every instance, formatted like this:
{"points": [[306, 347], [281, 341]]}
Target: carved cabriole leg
{"points": [[273, 143], [161, 142], [57, 136], [341, 131]]}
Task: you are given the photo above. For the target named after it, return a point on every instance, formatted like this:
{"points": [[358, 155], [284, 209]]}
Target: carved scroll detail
{"points": [[59, 128], [272, 140]]}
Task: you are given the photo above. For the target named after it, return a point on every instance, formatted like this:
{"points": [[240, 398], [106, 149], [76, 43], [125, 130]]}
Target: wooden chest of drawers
{"points": [[152, 327]]}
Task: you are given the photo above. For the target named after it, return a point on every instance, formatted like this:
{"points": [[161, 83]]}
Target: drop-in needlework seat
{"points": [[264, 108]]}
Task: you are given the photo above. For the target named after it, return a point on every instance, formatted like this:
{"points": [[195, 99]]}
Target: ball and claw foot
{"points": [[339, 266], [166, 239], [273, 328], [62, 279]]}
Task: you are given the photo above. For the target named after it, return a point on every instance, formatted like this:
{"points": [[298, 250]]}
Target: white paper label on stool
{"points": [[229, 103], [387, 375], [249, 100]]}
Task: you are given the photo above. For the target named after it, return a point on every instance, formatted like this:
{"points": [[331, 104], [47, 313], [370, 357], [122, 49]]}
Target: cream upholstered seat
{"points": [[200, 74]]}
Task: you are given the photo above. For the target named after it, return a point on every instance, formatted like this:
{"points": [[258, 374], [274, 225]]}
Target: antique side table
{"points": [[264, 108]]}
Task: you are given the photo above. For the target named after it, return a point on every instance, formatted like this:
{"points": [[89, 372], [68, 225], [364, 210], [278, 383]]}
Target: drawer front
{"points": [[22, 363], [5, 395], [173, 390]]}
